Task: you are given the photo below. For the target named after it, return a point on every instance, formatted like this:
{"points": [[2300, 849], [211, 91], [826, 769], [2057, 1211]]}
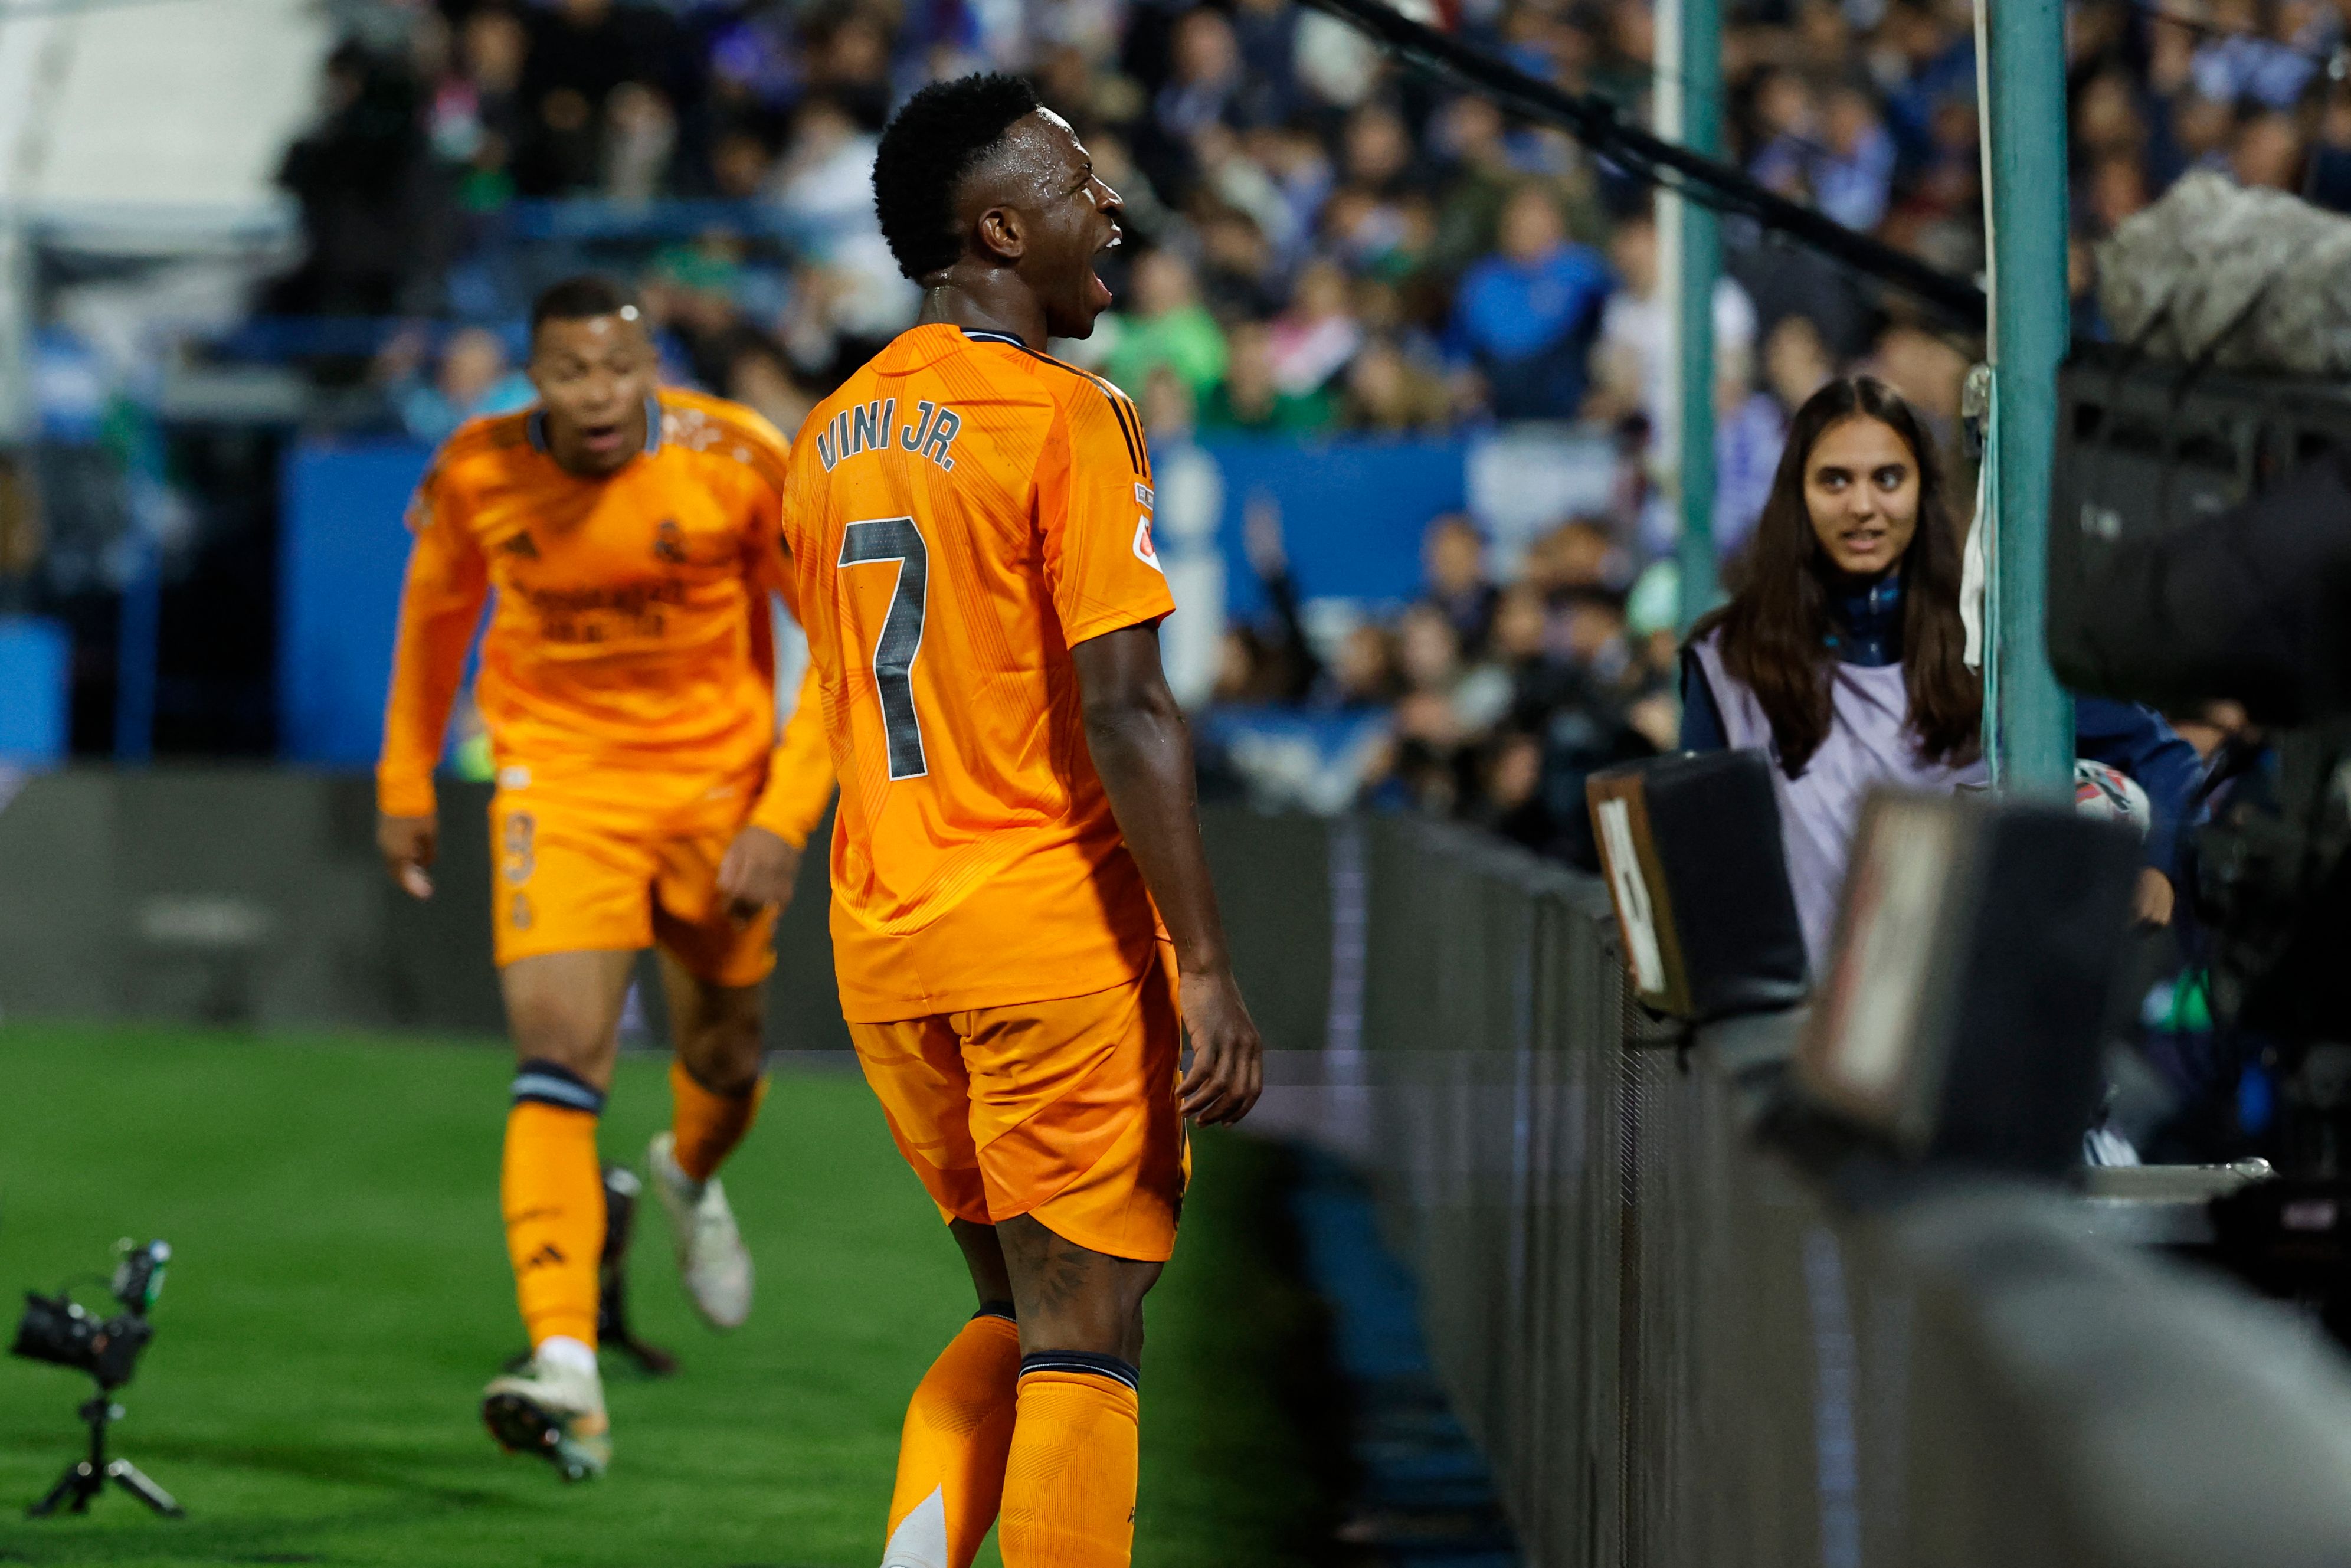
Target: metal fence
{"points": [[1677, 1347]]}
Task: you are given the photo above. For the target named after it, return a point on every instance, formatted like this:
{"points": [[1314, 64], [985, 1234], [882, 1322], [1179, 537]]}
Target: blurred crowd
{"points": [[1498, 698], [1323, 243]]}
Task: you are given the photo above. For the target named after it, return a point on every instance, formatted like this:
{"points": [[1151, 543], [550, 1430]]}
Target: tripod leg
{"points": [[74, 1484], [132, 1479], [621, 1189]]}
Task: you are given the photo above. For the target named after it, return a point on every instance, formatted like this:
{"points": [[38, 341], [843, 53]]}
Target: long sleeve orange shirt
{"points": [[629, 629]]}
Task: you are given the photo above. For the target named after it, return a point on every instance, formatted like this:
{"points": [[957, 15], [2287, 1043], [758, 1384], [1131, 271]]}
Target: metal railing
{"points": [[1678, 1346]]}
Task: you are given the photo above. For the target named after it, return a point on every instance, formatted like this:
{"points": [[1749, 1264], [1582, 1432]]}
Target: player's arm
{"points": [[1092, 508], [440, 604], [763, 863], [1143, 749]]}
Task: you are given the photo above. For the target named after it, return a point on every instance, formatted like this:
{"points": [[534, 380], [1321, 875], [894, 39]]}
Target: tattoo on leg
{"points": [[1064, 1274]]}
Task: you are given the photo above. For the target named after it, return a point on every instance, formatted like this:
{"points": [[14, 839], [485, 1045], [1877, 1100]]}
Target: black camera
{"points": [[61, 1331], [2200, 550]]}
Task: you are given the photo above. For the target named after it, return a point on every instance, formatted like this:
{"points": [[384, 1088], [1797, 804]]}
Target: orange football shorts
{"points": [[573, 875], [1064, 1110]]}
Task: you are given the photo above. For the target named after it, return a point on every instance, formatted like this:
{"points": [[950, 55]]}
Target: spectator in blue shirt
{"points": [[1526, 315], [473, 377], [2135, 742]]}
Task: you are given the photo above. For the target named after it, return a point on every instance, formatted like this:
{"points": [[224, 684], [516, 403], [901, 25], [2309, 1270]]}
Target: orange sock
{"points": [[707, 1125], [552, 1191], [951, 1456], [1069, 1487]]}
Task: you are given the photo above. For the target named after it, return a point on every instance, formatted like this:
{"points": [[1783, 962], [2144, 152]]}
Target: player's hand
{"points": [[2151, 905], [1228, 1059], [758, 874], [409, 845]]}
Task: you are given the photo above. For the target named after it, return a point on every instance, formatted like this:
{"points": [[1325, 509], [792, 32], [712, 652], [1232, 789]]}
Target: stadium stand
{"points": [[1333, 250]]}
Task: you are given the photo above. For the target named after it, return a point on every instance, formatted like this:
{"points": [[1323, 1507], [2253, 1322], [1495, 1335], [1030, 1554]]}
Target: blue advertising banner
{"points": [[342, 548], [35, 671], [1352, 514]]}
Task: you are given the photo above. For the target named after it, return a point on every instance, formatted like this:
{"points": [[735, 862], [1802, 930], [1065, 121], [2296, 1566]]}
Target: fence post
{"points": [[2020, 76], [1688, 98]]}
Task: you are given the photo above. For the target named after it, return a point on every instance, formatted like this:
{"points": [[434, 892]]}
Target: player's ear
{"points": [[1002, 233]]}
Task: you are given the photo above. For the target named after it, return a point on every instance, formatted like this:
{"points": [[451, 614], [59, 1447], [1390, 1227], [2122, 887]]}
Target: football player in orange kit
{"points": [[628, 683], [969, 523]]}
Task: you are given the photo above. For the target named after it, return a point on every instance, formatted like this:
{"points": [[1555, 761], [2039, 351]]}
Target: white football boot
{"points": [[555, 1411], [711, 1257]]}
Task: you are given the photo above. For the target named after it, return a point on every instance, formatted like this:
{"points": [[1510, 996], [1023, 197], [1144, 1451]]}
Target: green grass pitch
{"points": [[340, 1293]]}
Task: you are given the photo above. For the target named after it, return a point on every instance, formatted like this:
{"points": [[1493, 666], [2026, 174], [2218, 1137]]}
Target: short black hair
{"points": [[580, 298], [939, 136]]}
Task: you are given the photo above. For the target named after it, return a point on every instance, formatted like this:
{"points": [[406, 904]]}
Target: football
{"points": [[2105, 792]]}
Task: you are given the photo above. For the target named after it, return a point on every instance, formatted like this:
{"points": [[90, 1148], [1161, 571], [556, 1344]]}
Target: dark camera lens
{"points": [[56, 1330]]}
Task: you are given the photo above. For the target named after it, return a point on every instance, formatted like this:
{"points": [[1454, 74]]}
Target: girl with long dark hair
{"points": [[1841, 654]]}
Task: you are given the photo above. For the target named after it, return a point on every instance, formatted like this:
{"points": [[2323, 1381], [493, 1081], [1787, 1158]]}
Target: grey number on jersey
{"points": [[886, 540]]}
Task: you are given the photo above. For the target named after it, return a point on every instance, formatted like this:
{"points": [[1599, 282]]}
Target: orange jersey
{"points": [[959, 514], [630, 639]]}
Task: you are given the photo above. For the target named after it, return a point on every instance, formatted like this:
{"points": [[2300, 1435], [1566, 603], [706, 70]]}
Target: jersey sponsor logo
{"points": [[1145, 551], [520, 543], [588, 614], [669, 542]]}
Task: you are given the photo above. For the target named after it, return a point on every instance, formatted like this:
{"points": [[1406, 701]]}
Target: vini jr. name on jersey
{"points": [[870, 427]]}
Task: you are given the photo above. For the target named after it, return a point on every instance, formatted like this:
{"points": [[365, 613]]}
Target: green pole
{"points": [[1689, 99], [2020, 67]]}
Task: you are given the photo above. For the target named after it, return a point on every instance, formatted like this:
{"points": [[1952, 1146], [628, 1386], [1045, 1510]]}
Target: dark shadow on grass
{"points": [[202, 1540], [384, 1470]]}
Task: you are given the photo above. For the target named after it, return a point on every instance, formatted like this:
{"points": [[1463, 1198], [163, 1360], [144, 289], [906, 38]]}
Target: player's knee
{"points": [[725, 1047], [550, 1027]]}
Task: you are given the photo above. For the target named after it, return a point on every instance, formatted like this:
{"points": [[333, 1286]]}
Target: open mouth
{"points": [[1103, 297], [604, 440]]}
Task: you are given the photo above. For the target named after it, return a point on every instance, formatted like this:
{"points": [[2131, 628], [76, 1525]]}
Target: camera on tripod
{"points": [[62, 1331]]}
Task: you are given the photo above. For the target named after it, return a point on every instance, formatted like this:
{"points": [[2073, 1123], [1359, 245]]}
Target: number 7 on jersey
{"points": [[896, 540]]}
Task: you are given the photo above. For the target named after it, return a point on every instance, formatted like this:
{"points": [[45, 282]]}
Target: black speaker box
{"points": [[1690, 845], [1977, 969]]}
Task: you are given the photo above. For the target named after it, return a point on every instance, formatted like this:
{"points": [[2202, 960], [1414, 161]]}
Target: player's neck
{"points": [[992, 306]]}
